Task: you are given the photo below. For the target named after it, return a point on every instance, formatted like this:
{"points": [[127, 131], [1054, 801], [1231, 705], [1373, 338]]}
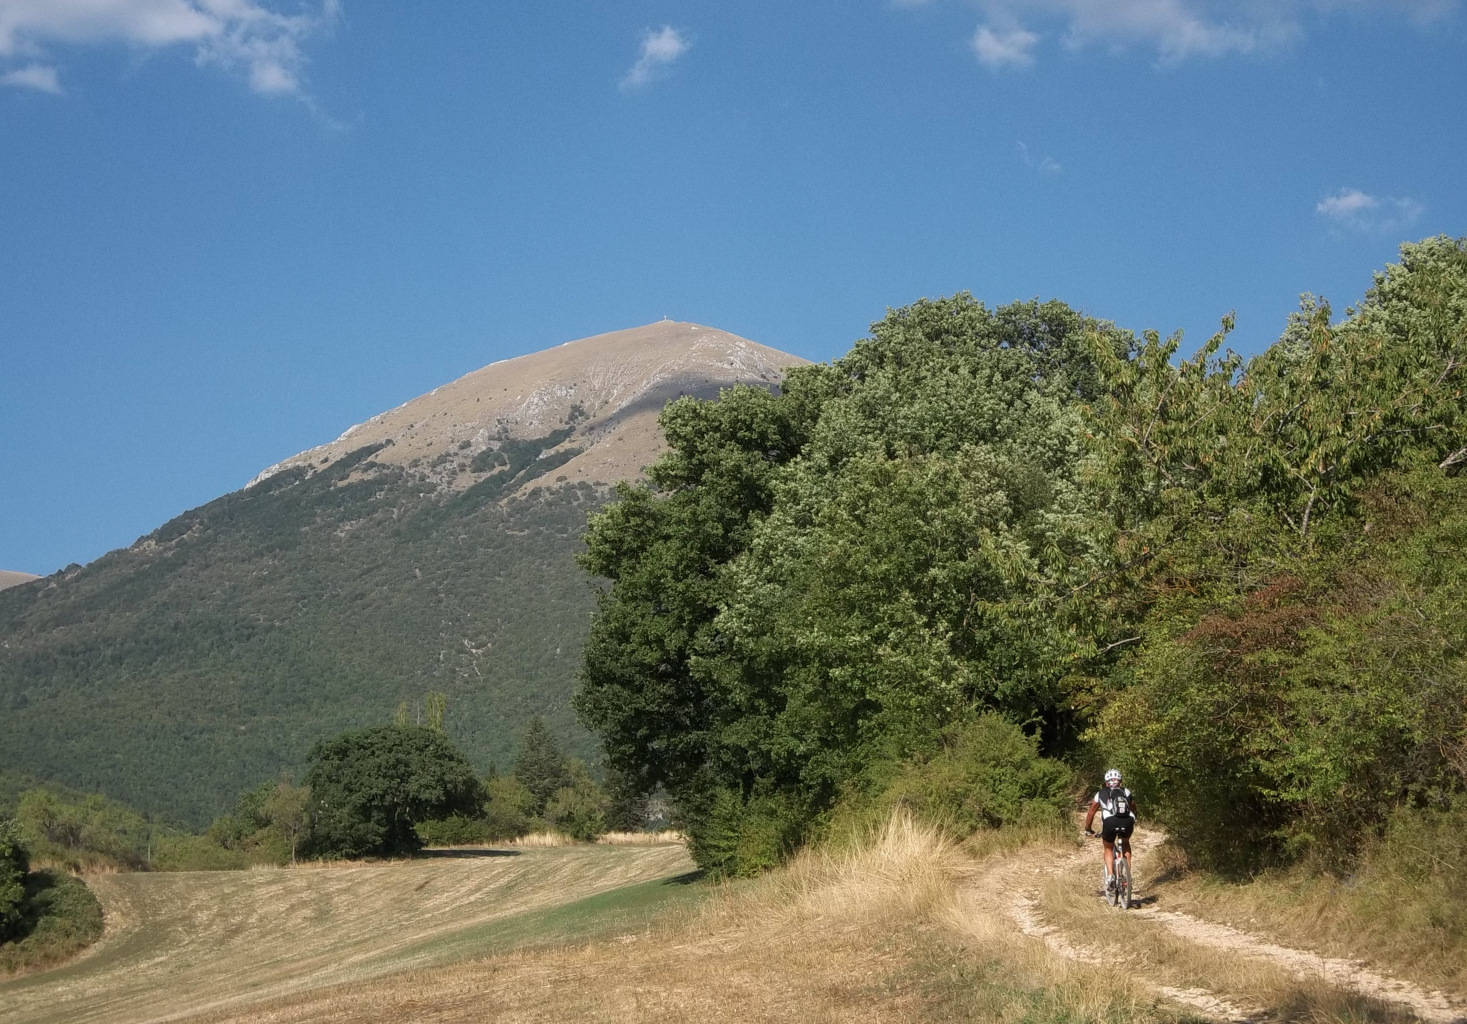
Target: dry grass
{"points": [[543, 840], [1378, 924], [640, 838], [872, 931], [898, 925], [181, 944]]}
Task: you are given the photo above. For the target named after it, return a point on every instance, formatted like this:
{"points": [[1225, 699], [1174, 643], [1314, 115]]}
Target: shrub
{"points": [[739, 838], [985, 774], [509, 808], [454, 830], [14, 865], [579, 809], [83, 830], [60, 916]]}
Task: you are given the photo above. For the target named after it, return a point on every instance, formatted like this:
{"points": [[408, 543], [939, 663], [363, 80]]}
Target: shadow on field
{"points": [[466, 854], [686, 879]]}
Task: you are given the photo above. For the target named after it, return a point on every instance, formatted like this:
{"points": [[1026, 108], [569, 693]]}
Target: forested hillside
{"points": [[428, 549], [180, 671], [989, 547]]}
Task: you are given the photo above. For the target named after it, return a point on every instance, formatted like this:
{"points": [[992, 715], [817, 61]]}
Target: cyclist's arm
{"points": [[1090, 818]]}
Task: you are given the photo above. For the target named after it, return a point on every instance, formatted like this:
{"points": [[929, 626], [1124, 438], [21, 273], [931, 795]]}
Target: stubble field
{"points": [[180, 945]]}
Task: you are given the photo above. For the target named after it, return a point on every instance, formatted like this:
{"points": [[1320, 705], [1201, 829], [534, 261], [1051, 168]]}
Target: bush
{"points": [[83, 830], [14, 865], [738, 838], [60, 917], [455, 830], [985, 774], [579, 809], [509, 808]]}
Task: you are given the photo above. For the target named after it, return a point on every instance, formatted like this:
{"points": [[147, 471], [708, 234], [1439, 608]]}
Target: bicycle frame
{"points": [[1120, 871]]}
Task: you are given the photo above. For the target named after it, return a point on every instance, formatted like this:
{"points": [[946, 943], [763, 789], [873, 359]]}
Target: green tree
{"points": [[14, 865], [820, 581], [509, 808], [288, 810], [540, 765], [370, 787], [1288, 534], [579, 808]]}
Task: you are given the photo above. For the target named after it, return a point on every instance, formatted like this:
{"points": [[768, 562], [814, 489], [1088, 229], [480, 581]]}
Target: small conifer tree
{"points": [[540, 766]]}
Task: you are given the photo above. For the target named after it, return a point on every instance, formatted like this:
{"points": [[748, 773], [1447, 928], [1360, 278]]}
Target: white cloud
{"points": [[234, 34], [1049, 165], [1172, 31], [1013, 47], [1358, 211], [1348, 202], [33, 76], [659, 49]]}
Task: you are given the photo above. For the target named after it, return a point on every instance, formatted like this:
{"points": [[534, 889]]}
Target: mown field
{"points": [[184, 944]]}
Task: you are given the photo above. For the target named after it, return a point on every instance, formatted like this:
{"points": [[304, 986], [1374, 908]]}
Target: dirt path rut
{"points": [[1024, 879]]}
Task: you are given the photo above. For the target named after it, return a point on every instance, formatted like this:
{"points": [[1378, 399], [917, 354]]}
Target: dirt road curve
{"points": [[1053, 899]]}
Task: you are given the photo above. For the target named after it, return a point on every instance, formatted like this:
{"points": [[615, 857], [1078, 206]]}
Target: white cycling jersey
{"points": [[1115, 803]]}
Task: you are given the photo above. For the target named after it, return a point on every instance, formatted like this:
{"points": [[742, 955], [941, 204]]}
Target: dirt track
{"points": [[1043, 893]]}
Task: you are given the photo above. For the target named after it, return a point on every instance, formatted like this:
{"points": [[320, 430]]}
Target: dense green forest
{"points": [[212, 653], [991, 547]]}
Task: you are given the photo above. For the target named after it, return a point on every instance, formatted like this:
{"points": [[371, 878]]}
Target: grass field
{"points": [[899, 926], [189, 943]]}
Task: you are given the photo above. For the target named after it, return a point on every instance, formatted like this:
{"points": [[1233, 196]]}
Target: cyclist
{"points": [[1117, 807]]}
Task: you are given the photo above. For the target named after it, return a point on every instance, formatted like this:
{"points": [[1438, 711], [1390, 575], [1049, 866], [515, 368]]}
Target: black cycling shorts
{"points": [[1121, 825]]}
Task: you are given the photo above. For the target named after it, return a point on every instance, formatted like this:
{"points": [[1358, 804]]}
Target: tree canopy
{"points": [[370, 787], [1027, 512]]}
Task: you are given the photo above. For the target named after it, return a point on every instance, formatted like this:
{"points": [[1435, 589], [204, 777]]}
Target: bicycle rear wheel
{"points": [[1123, 883]]}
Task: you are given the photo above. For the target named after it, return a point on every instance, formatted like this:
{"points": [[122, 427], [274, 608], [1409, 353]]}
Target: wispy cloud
{"points": [[1048, 165], [1171, 31], [1004, 48], [1358, 211], [238, 35], [33, 76], [659, 50]]}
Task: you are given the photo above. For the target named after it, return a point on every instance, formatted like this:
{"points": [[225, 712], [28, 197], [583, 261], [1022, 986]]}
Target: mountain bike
{"points": [[1120, 895]]}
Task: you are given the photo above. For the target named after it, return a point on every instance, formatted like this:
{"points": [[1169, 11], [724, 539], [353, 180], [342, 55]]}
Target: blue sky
{"points": [[231, 228]]}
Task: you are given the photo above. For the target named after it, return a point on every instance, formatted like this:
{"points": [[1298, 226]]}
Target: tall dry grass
{"points": [[541, 840], [641, 838]]}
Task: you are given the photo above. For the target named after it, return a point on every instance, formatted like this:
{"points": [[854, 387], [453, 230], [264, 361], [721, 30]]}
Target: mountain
{"points": [[430, 548], [10, 579], [610, 388]]}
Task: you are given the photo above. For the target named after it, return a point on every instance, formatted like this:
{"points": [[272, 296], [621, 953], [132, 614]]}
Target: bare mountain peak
{"points": [[8, 578], [593, 403]]}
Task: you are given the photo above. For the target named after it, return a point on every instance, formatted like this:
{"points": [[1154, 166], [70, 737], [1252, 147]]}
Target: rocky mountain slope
{"points": [[428, 549], [608, 389]]}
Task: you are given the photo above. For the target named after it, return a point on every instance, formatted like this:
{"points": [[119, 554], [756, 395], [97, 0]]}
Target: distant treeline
{"points": [[991, 548], [377, 792]]}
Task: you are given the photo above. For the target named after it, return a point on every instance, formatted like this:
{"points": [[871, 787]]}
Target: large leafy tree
{"points": [[370, 787], [820, 580]]}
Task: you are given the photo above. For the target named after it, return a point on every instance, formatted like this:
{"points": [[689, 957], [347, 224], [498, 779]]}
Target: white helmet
{"points": [[1113, 777]]}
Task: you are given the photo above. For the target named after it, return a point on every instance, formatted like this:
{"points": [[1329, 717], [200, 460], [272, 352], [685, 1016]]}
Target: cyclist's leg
{"points": [[1108, 855]]}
